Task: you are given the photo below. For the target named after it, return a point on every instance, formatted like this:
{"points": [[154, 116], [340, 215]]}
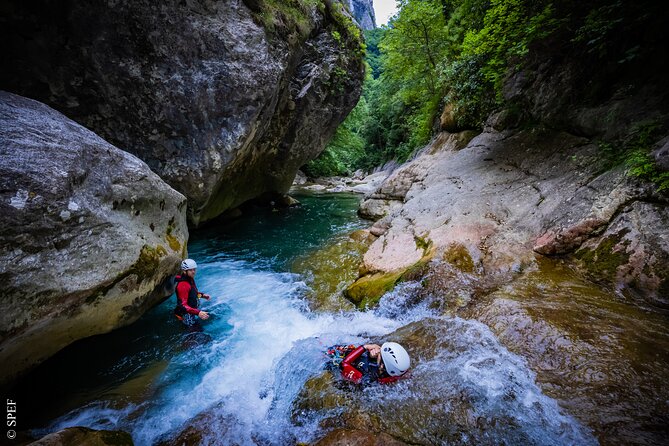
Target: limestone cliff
{"points": [[89, 234], [225, 100]]}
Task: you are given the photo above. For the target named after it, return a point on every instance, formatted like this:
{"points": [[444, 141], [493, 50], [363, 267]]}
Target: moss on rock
{"points": [[319, 393], [367, 290], [174, 243], [423, 243], [604, 260], [147, 263], [458, 256], [330, 269]]}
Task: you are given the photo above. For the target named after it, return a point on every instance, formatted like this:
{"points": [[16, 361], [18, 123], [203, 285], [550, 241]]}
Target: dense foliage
{"points": [[459, 52]]}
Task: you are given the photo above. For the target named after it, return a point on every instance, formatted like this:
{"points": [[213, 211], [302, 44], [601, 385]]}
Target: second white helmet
{"points": [[188, 264], [395, 358]]}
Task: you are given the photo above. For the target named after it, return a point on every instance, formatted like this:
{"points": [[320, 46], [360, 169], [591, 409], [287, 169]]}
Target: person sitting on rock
{"points": [[370, 362], [188, 297]]}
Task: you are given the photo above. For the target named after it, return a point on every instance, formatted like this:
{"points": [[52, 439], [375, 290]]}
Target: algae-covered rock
{"points": [[633, 252], [89, 234], [320, 394], [367, 290], [507, 195], [331, 269]]}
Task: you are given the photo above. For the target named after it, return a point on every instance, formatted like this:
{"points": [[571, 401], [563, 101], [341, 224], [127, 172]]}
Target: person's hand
{"points": [[206, 296], [373, 349], [203, 315]]}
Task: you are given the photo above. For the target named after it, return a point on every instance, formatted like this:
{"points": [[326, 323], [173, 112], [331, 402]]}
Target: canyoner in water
{"points": [[188, 297], [369, 363]]}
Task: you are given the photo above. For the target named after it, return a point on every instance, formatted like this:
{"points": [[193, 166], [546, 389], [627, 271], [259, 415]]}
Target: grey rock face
{"points": [[507, 196], [223, 101], [89, 234], [363, 11], [661, 155]]}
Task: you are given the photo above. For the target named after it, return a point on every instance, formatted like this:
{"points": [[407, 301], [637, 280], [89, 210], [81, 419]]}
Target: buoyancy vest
{"points": [[358, 368], [193, 295]]}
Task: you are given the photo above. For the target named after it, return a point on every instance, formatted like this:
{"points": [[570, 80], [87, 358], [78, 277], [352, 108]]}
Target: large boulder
{"points": [[224, 100], [89, 234]]}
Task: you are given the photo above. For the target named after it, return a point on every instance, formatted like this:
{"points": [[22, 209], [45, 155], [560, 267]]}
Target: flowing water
{"points": [[242, 379]]}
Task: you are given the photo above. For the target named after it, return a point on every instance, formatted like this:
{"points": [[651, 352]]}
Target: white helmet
{"points": [[188, 264], [395, 358]]}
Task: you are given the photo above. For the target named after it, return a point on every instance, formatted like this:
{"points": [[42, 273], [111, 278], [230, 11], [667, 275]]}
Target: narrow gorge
{"points": [[484, 182]]}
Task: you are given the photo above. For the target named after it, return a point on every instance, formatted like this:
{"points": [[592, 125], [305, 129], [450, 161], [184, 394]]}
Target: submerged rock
{"points": [[604, 359], [83, 436], [224, 100], [329, 270], [89, 234], [350, 437]]}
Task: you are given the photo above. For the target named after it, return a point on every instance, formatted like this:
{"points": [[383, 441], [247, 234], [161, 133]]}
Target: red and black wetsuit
{"points": [[357, 367], [187, 296]]}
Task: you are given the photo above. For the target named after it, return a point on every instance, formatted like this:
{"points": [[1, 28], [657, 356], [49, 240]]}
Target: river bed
{"points": [[242, 380]]}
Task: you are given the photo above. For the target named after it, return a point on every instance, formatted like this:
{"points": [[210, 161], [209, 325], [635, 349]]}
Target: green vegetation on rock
{"points": [[605, 259], [146, 265], [330, 269], [458, 256], [285, 17], [366, 291]]}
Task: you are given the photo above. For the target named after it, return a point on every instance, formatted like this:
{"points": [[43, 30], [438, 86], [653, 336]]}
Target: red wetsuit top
{"points": [[350, 373], [187, 296]]}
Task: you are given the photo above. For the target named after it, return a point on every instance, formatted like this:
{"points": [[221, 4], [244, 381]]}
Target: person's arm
{"points": [[183, 288], [349, 372]]}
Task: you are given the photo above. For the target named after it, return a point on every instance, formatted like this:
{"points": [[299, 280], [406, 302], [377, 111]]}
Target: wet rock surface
{"points": [[604, 358], [464, 388], [507, 194], [205, 428], [353, 437], [82, 436], [329, 270], [89, 234], [224, 100]]}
